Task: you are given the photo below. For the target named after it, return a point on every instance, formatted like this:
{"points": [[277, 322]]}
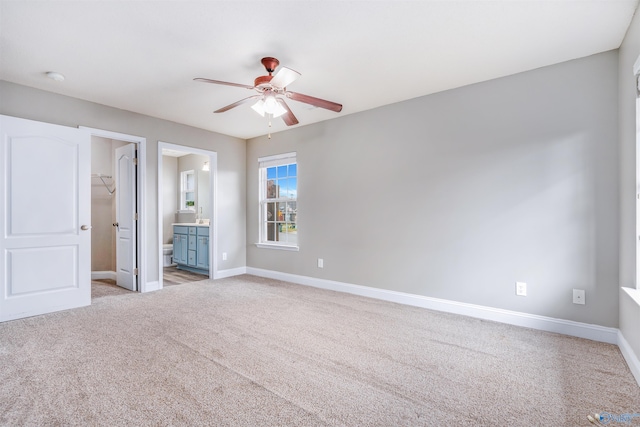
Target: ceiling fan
{"points": [[271, 93]]}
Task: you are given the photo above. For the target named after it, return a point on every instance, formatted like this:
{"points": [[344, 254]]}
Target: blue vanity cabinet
{"points": [[191, 254], [202, 248], [191, 248], [180, 244]]}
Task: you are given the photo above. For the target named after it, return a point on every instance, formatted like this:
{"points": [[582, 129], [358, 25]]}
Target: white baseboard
{"points": [[221, 274], [97, 275], [150, 287], [543, 323], [629, 357]]}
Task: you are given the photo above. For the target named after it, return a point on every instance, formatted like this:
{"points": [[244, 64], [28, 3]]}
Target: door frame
{"points": [[141, 172], [213, 206]]}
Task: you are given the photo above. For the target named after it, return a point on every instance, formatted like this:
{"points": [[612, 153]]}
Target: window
{"points": [[636, 70], [278, 192], [187, 191]]}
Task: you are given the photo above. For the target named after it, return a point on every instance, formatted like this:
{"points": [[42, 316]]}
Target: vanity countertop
{"points": [[191, 224]]}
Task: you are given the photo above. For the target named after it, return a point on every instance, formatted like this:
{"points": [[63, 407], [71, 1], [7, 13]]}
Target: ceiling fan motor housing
{"points": [[270, 65], [262, 80]]}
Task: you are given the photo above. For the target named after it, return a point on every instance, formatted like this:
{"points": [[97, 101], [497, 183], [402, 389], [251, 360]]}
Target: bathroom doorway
{"points": [[186, 196]]}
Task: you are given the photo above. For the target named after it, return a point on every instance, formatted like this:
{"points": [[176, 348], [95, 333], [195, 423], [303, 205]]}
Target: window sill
{"points": [[279, 247]]}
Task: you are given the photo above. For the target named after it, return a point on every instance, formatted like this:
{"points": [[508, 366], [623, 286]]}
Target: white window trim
{"points": [[183, 191], [264, 162], [281, 246], [636, 76], [637, 212]]}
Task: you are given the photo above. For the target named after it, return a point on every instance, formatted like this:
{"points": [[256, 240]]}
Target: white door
{"points": [[125, 217], [45, 244]]}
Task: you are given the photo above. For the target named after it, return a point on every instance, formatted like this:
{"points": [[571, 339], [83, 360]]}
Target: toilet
{"points": [[167, 255]]}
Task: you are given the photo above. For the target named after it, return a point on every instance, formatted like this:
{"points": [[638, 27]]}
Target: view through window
{"points": [[278, 200]]}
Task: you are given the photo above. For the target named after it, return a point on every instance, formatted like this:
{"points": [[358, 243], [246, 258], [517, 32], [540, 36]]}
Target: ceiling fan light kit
{"points": [[269, 105], [271, 93]]}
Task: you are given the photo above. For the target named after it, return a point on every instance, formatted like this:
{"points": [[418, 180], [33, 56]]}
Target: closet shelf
{"points": [[102, 177]]}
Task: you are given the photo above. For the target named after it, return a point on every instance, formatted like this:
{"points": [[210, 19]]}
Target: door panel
{"points": [[203, 252], [45, 184], [125, 217], [54, 187], [22, 277]]}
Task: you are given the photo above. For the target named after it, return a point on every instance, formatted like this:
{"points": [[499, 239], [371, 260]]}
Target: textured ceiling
{"points": [[142, 56]]}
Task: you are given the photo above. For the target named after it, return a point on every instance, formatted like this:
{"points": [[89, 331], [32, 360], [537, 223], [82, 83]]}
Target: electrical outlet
{"points": [[224, 256], [521, 289], [320, 263], [579, 296]]}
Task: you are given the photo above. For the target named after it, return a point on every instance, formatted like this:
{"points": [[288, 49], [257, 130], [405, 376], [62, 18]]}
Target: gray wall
{"points": [[460, 194], [629, 309], [170, 191], [33, 104]]}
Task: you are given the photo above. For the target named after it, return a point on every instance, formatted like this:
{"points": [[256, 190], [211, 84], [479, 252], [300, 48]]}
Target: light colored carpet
{"points": [[247, 351], [106, 287]]}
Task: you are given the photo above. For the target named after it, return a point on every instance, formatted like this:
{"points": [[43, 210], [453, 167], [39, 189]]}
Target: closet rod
{"points": [[102, 177]]}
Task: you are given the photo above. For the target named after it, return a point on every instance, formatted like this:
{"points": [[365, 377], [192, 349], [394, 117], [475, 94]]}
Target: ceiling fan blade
{"points": [[218, 82], [284, 77], [322, 103], [288, 117], [235, 104]]}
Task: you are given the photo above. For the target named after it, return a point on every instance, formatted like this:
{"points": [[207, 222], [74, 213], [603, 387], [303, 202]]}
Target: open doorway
{"points": [[105, 195], [116, 212], [186, 195]]}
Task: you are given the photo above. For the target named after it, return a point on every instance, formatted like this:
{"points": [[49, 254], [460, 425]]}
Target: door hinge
{"points": [[135, 161], [135, 217], [135, 271]]}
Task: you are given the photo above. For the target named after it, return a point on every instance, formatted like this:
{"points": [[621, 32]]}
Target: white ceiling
{"points": [[142, 55]]}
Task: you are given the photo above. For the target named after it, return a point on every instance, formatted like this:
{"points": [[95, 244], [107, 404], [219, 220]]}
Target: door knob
{"points": [[115, 224], [85, 227]]}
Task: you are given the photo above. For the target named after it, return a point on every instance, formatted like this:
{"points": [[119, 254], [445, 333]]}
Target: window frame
{"points": [[183, 191], [636, 77], [263, 164]]}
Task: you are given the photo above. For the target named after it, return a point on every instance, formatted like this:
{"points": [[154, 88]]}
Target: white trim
{"points": [[152, 286], [97, 275], [231, 272], [141, 146], [634, 294], [636, 67], [629, 357], [276, 246], [213, 194], [276, 159], [543, 323]]}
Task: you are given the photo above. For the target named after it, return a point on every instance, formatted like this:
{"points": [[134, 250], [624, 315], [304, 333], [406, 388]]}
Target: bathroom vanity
{"points": [[191, 247]]}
